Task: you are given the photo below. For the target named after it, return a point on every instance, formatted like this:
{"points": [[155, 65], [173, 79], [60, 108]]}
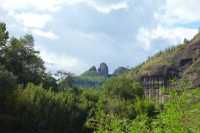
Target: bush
{"points": [[123, 88], [40, 109], [7, 84]]}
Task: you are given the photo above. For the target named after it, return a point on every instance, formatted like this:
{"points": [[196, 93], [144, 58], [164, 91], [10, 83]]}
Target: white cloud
{"points": [[108, 8], [55, 5], [40, 5], [32, 20], [35, 22], [34, 15], [174, 35], [63, 62], [171, 18], [179, 11], [105, 8], [47, 34]]}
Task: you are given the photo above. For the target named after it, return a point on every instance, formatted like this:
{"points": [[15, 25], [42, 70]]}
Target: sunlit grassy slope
{"points": [[168, 57]]}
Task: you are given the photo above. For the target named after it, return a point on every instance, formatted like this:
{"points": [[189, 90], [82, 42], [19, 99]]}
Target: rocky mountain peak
{"points": [[103, 69]]}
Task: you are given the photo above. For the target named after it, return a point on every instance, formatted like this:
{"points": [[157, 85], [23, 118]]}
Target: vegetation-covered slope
{"points": [[92, 77], [32, 100], [87, 81], [181, 114], [184, 59]]}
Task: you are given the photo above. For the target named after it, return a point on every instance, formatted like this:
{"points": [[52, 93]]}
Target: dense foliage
{"points": [[18, 57], [180, 115], [32, 100]]}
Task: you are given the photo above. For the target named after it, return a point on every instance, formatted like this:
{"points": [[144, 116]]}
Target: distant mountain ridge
{"points": [[101, 71], [94, 77]]}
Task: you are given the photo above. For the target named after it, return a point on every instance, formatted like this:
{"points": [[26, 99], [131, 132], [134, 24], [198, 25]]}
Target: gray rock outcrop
{"points": [[103, 70]]}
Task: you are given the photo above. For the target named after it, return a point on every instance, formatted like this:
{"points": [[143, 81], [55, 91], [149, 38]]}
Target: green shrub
{"points": [[37, 108], [123, 88], [8, 83]]}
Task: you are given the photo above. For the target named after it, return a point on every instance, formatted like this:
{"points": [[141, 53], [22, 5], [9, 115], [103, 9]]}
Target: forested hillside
{"points": [[33, 101], [181, 60]]}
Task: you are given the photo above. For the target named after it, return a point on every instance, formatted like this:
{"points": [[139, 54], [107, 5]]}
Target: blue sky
{"points": [[73, 35]]}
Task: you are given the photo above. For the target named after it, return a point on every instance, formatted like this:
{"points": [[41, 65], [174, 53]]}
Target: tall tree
{"points": [[23, 61], [65, 80], [3, 35], [19, 57], [3, 40]]}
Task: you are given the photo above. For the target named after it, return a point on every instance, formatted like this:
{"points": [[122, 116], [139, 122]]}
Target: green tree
{"points": [[3, 35], [122, 87], [23, 61], [47, 111], [48, 81], [65, 80], [7, 84], [3, 39]]}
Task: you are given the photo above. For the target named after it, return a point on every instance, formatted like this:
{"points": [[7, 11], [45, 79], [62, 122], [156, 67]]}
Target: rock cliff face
{"points": [[177, 63], [103, 70]]}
